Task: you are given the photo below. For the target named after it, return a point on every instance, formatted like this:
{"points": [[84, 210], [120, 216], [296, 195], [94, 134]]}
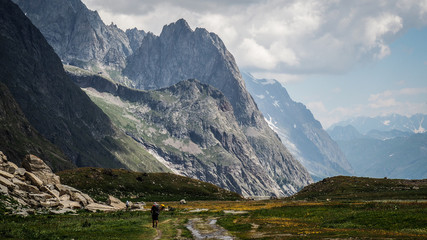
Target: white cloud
{"points": [[293, 36]]}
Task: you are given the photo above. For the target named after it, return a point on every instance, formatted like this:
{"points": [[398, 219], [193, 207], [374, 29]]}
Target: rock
{"points": [[40, 197], [65, 197], [3, 189], [7, 183], [116, 203], [10, 167], [183, 201], [3, 157], [20, 171], [6, 174], [47, 190], [70, 204], [50, 203], [34, 179], [25, 187], [37, 166], [93, 207]]}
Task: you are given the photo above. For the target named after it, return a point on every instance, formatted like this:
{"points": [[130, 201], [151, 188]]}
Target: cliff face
{"points": [[51, 102], [298, 129], [192, 129], [18, 137], [181, 53], [78, 35]]}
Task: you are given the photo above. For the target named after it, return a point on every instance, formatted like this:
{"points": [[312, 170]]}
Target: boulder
{"points": [[10, 167], [93, 207], [35, 165], [6, 174], [34, 179], [40, 197], [3, 189], [20, 171], [7, 183], [70, 204], [116, 203], [183, 201], [25, 187]]}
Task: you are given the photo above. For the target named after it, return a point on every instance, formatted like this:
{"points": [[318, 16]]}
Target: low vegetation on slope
{"points": [[135, 186], [361, 188]]}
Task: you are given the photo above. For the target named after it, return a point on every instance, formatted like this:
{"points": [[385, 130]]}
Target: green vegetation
{"points": [[359, 188], [134, 186], [271, 219]]}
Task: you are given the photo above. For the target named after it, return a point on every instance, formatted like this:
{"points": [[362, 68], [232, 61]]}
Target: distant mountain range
{"points": [[398, 152], [298, 129], [416, 123]]}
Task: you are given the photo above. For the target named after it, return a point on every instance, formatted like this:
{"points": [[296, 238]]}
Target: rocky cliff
{"points": [[180, 53], [18, 138], [298, 129], [192, 129], [59, 110], [80, 37]]}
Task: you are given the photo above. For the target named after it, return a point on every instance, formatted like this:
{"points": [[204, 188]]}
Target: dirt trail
{"points": [[159, 232], [207, 229]]}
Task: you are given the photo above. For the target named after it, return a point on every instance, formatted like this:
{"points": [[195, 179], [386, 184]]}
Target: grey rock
{"points": [[67, 204], [135, 37], [34, 179], [78, 34], [37, 166], [93, 207], [115, 202], [6, 174], [3, 189], [7, 183]]}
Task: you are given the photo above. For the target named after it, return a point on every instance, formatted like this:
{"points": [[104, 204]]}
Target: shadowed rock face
{"points": [[180, 53], [51, 102], [77, 34]]}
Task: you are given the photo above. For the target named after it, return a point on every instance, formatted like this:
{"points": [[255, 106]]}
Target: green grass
{"points": [[135, 186], [362, 188]]}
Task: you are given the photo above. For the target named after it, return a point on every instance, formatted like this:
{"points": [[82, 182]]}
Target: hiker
{"points": [[155, 211], [127, 205]]}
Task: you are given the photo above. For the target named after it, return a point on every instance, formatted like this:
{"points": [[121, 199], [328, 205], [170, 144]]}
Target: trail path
{"points": [[159, 232], [207, 229]]}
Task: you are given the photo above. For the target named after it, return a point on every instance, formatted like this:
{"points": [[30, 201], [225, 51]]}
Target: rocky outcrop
{"points": [[298, 129], [135, 37], [180, 53], [36, 188]]}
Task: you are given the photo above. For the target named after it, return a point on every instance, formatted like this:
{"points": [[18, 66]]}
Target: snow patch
{"points": [[386, 122], [276, 104], [260, 96]]}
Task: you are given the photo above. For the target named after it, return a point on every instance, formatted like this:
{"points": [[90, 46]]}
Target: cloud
{"points": [[292, 36]]}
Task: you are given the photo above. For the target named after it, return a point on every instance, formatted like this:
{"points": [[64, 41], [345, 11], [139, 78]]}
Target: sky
{"points": [[341, 58]]}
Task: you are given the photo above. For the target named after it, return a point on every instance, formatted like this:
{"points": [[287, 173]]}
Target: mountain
{"points": [[80, 37], [415, 123], [298, 129], [180, 53], [344, 133], [58, 109], [399, 157], [135, 37], [192, 129], [18, 138]]}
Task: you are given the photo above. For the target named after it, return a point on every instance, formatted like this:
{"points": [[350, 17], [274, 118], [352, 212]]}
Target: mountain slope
{"points": [[180, 53], [400, 157], [18, 138], [298, 129], [59, 110], [191, 127]]}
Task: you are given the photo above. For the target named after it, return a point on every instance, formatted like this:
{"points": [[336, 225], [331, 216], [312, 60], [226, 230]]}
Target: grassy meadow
{"points": [[270, 219], [335, 208]]}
